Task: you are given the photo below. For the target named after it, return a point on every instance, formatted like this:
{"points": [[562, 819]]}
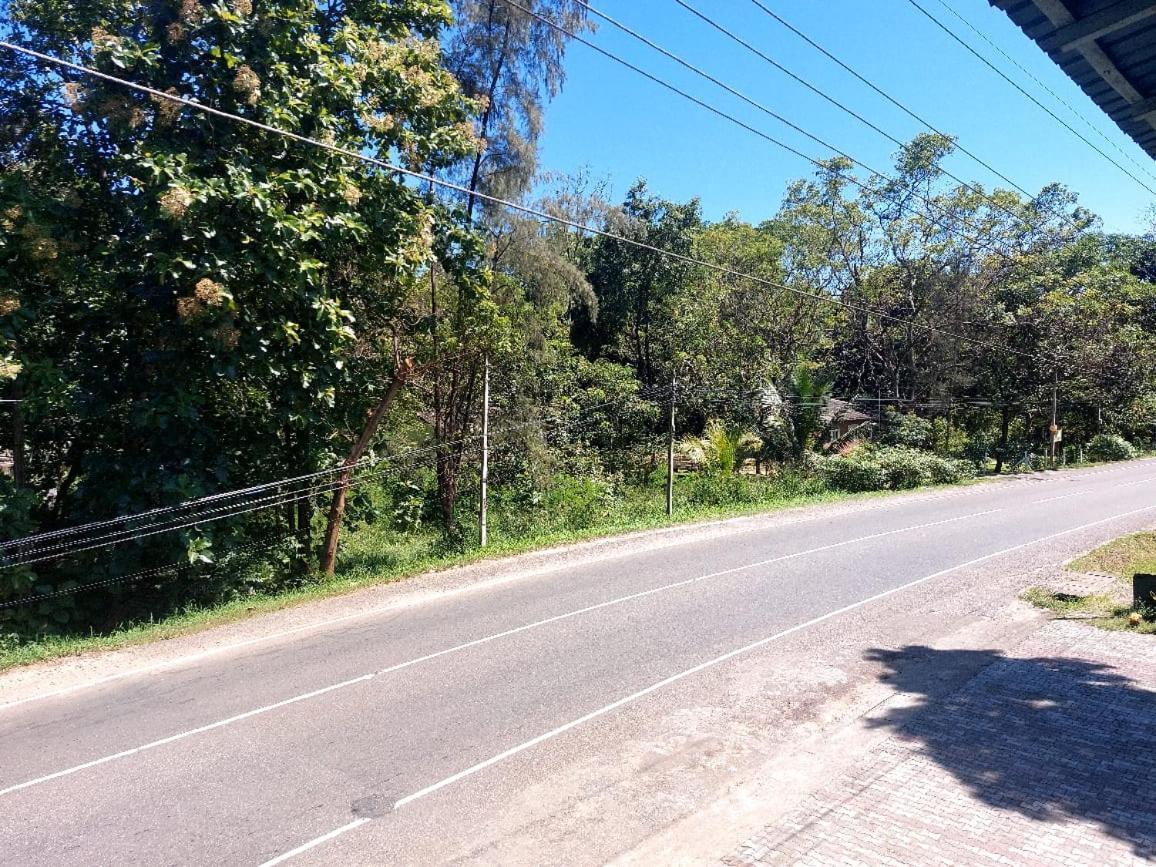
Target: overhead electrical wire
{"points": [[1045, 88], [730, 34], [893, 100], [18, 552], [525, 209], [1024, 91], [207, 507], [238, 492], [177, 567], [541, 215], [743, 124]]}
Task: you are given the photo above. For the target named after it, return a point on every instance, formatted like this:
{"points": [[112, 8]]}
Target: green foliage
{"points": [[844, 473], [193, 306], [892, 468], [906, 429], [720, 449], [1110, 447]]}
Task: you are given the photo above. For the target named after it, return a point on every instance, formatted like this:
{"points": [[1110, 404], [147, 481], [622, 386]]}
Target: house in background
{"points": [[840, 418]]}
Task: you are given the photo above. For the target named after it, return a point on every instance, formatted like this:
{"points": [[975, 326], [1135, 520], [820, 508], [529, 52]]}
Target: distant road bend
{"points": [[436, 731]]}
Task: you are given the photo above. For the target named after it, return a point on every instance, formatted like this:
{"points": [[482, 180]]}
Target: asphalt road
{"points": [[434, 731]]}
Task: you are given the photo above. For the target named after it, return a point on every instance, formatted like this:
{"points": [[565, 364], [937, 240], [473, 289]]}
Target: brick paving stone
{"points": [[1046, 757]]}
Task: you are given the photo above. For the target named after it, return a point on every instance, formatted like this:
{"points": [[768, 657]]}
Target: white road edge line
{"points": [[674, 678], [1060, 497], [1087, 491], [425, 598], [317, 841], [179, 661], [172, 738], [464, 646]]}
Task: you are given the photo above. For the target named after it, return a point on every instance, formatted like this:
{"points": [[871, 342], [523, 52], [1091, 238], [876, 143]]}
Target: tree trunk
{"points": [[337, 506], [1001, 449]]}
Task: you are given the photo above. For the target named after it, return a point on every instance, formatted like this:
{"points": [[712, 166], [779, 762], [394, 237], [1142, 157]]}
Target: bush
{"points": [[892, 468], [949, 471], [906, 429], [1110, 447], [904, 468], [854, 474]]}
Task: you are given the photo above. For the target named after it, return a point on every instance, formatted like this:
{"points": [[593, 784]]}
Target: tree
{"points": [[511, 63], [636, 288], [215, 305]]}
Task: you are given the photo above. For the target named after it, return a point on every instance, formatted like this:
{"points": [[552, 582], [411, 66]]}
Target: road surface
{"points": [[564, 715]]}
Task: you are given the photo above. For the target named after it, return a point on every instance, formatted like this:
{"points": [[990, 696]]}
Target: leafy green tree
{"points": [[211, 305], [637, 288]]}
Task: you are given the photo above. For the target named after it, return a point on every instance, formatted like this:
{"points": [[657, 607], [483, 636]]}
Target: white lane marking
{"points": [[465, 646], [422, 599], [674, 678], [177, 737], [1113, 489], [317, 841], [431, 596], [1060, 497]]}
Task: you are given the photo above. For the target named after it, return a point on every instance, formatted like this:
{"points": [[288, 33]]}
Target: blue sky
{"points": [[621, 127]]}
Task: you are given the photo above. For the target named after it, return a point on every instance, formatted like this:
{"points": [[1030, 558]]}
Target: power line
{"points": [[1022, 90], [24, 556], [239, 492], [893, 100], [1045, 87], [850, 111], [738, 122], [261, 544], [525, 209], [398, 459]]}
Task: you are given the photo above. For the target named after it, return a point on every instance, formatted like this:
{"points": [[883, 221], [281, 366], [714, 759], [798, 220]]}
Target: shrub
{"points": [[1110, 447], [904, 468], [577, 504], [714, 489], [857, 473], [906, 429], [892, 468], [949, 471]]}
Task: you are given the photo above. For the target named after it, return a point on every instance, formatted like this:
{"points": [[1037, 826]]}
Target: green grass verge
{"points": [[375, 555], [1121, 558]]}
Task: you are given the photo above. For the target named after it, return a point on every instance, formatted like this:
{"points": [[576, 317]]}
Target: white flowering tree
{"points": [[193, 304]]}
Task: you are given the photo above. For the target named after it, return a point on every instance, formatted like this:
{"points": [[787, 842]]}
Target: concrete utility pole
{"points": [[670, 448], [1054, 428], [483, 508]]}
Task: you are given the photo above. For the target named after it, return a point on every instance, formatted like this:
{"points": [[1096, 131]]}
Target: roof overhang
{"points": [[1107, 47]]}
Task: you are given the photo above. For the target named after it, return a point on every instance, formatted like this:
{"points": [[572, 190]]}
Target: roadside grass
{"points": [[377, 554], [1121, 558]]}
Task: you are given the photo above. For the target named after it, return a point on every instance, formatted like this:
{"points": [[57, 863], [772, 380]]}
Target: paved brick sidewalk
{"points": [[1048, 756]]}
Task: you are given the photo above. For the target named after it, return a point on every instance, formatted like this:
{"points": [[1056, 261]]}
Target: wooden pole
{"points": [[670, 449], [483, 506], [1055, 403]]}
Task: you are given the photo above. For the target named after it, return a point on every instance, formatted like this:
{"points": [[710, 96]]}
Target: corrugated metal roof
{"points": [[1108, 47]]}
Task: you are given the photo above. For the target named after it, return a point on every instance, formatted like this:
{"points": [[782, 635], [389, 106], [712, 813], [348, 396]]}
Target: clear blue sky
{"points": [[621, 127]]}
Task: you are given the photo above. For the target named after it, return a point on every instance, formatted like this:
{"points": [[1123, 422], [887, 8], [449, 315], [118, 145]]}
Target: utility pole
{"points": [[1054, 428], [670, 447], [483, 509]]}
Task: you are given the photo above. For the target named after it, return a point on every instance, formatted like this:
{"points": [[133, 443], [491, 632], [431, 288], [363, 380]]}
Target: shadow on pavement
{"points": [[1050, 738]]}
